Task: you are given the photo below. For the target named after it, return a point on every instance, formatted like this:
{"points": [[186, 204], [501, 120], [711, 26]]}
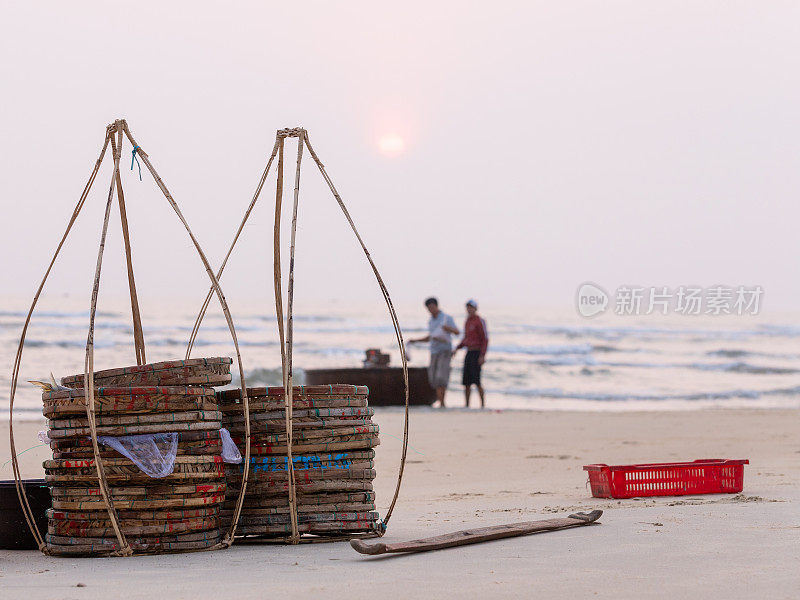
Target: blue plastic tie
{"points": [[133, 158]]}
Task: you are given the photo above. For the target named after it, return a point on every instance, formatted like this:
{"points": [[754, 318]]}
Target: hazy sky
{"points": [[503, 151]]}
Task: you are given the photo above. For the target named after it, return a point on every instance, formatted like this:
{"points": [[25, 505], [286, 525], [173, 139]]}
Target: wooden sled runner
{"points": [[476, 536]]}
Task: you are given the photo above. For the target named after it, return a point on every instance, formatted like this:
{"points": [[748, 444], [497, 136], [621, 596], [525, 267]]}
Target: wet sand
{"points": [[473, 468]]}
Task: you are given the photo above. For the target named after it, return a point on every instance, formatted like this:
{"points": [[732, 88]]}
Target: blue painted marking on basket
{"points": [[133, 157], [301, 463]]}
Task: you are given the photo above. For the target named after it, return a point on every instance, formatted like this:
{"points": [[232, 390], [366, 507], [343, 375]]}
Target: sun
{"points": [[391, 144]]}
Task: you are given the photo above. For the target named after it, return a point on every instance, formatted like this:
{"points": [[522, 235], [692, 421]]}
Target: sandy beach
{"points": [[587, 211], [472, 468]]}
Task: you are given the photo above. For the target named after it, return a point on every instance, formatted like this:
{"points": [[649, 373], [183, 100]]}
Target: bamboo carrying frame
{"points": [[114, 137], [286, 338]]}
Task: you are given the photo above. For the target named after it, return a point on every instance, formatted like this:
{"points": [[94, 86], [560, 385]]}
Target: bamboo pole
{"points": [[295, 537], [23, 498], [88, 386], [276, 261], [480, 535], [138, 334], [276, 267]]}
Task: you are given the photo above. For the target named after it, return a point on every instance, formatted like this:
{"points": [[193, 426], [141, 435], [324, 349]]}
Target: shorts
{"points": [[472, 368], [439, 369]]}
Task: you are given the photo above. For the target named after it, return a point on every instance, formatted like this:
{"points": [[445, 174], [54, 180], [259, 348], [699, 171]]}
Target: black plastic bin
{"points": [[14, 531]]}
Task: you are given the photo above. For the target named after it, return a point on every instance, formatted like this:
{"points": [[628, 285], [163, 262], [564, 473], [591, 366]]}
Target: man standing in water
{"points": [[476, 341], [440, 329]]}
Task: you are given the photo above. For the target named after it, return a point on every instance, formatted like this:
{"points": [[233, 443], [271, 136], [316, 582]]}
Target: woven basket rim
{"points": [[300, 390], [141, 489], [85, 463], [167, 365], [142, 515], [133, 390], [183, 436], [157, 539], [139, 504], [117, 430], [155, 418]]}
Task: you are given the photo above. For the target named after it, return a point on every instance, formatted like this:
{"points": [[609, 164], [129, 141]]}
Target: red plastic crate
{"points": [[707, 476]]}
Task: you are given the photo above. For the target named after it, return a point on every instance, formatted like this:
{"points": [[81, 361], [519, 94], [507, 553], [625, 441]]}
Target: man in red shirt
{"points": [[476, 341]]}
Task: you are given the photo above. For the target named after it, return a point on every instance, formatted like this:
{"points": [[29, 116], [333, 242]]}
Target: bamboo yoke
{"points": [[114, 136], [286, 337]]}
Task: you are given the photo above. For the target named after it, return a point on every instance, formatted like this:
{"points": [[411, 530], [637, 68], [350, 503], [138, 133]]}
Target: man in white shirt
{"points": [[441, 328]]}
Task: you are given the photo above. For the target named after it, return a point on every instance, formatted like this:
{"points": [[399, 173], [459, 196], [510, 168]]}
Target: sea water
{"points": [[538, 359]]}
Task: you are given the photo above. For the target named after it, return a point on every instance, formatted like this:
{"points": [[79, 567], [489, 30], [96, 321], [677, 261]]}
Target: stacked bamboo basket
{"points": [[177, 512], [332, 454]]}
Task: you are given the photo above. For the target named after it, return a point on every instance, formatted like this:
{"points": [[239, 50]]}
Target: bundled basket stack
{"points": [[332, 454], [151, 412]]}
